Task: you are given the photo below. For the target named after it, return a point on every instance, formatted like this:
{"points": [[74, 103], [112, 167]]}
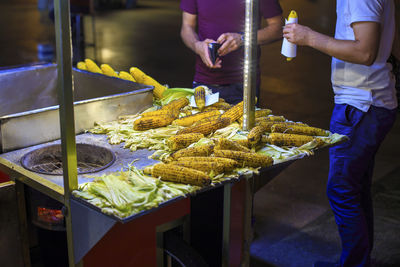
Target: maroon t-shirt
{"points": [[215, 17]]}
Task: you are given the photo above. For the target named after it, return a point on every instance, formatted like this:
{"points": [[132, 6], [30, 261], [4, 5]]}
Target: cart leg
{"points": [[226, 224], [248, 204], [23, 222]]}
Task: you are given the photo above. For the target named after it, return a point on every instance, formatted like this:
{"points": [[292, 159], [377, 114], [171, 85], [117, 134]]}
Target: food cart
{"points": [[215, 220]]}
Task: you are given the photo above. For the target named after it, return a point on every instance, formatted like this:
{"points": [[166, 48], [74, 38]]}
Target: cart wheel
{"points": [[181, 251]]}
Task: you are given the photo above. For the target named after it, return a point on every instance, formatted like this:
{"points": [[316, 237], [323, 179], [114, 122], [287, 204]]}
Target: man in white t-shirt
{"points": [[365, 110]]}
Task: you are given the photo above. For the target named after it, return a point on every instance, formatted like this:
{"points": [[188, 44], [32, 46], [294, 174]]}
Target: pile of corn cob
{"points": [[134, 75]]}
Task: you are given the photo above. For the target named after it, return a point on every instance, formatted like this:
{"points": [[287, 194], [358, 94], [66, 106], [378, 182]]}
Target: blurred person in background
{"points": [[223, 21], [365, 111]]}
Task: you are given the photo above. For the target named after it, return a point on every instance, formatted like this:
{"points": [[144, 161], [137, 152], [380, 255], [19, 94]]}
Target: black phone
{"points": [[213, 51]]}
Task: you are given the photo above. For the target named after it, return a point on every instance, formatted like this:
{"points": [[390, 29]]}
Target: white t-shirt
{"points": [[359, 85]]}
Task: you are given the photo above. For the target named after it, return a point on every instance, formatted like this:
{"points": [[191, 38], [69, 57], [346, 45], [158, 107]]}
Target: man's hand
{"points": [[297, 34], [229, 43], [201, 48]]}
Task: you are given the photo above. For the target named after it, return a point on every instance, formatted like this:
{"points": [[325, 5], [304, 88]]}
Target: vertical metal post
{"points": [[250, 63], [248, 207], [23, 222], [226, 224], [66, 101]]}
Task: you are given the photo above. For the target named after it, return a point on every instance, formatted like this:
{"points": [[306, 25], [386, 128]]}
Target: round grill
{"points": [[48, 160]]}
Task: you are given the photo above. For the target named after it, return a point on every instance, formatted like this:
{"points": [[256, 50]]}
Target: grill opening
{"points": [[48, 160]]}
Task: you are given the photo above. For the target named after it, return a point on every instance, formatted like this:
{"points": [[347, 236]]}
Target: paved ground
{"points": [[294, 225]]}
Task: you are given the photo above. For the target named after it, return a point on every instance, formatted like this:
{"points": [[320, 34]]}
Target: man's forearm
{"points": [[272, 32], [189, 37], [346, 50]]}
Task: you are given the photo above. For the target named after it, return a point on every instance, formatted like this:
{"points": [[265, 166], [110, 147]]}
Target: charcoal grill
{"points": [[48, 160]]}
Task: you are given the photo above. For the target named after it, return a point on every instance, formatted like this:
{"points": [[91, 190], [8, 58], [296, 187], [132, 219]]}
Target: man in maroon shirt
{"points": [[222, 21]]}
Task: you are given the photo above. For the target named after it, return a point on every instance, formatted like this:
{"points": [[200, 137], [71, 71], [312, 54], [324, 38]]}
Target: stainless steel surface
{"points": [[123, 157], [48, 160], [250, 63], [97, 98], [11, 253], [226, 221], [88, 227]]}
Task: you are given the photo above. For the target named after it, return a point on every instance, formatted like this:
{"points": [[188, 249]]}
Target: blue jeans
{"points": [[350, 177], [231, 93]]}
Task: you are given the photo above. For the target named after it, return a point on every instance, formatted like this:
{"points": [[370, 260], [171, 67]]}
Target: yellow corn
{"points": [[195, 151], [177, 104], [262, 113], [269, 124], [146, 123], [234, 113], [271, 118], [242, 142], [220, 106], [161, 112], [225, 144], [229, 164], [189, 120], [206, 127], [207, 119], [92, 67], [295, 129], [204, 166], [280, 139], [81, 65], [178, 174], [254, 136], [107, 70], [248, 159], [200, 97], [141, 77], [126, 76], [183, 140]]}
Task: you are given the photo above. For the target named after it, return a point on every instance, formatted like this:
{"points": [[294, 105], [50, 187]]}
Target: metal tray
{"points": [[29, 104]]}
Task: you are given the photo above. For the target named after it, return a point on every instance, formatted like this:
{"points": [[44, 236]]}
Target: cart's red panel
{"points": [[134, 243]]}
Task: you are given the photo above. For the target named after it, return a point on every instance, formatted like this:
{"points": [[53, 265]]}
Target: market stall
{"points": [[103, 167]]}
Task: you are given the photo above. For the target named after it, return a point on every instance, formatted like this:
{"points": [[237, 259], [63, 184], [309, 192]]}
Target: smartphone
{"points": [[213, 51]]}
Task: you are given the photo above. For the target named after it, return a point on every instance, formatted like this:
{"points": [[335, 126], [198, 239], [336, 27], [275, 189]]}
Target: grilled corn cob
{"points": [[206, 127], [225, 144], [294, 129], [268, 124], [195, 151], [146, 123], [204, 166], [92, 67], [200, 97], [177, 104], [271, 118], [189, 120], [248, 159], [178, 174], [234, 113], [81, 65], [229, 164], [207, 119], [141, 77], [161, 112], [183, 140], [254, 136], [280, 139], [126, 76], [220, 105], [242, 142], [107, 70], [262, 112]]}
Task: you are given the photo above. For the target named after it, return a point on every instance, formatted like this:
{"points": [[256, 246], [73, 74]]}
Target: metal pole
{"points": [[226, 225], [250, 63], [66, 101]]}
